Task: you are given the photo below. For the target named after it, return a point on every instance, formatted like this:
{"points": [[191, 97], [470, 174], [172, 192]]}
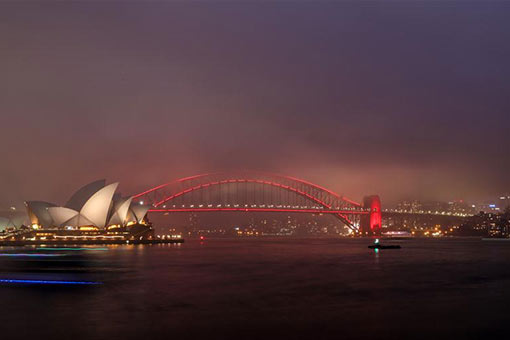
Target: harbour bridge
{"points": [[250, 191]]}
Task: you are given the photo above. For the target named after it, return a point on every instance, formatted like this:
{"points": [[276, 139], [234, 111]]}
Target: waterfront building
{"points": [[11, 222], [94, 214], [95, 205]]}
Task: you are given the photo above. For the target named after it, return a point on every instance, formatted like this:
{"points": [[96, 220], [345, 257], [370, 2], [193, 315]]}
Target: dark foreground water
{"points": [[265, 289]]}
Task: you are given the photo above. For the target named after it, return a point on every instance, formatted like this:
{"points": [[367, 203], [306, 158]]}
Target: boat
{"points": [[380, 246], [377, 245], [397, 235]]}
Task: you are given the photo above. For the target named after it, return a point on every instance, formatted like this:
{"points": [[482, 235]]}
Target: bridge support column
{"points": [[371, 223]]}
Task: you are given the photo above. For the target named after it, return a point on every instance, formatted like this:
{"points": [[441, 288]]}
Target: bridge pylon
{"points": [[371, 223]]}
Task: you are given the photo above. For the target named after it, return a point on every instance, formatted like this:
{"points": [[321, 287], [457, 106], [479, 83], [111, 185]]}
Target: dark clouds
{"points": [[399, 98]]}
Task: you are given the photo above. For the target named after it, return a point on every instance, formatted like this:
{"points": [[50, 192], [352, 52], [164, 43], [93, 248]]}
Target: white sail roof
{"points": [[60, 215], [97, 207], [120, 211], [139, 211], [93, 204], [77, 221], [5, 223], [18, 220], [38, 213], [80, 197]]}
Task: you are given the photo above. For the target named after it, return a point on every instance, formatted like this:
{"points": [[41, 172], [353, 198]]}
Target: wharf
{"points": [[7, 243]]}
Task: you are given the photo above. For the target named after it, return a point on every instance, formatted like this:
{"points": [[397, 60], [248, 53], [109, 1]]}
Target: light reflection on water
{"points": [[267, 288]]}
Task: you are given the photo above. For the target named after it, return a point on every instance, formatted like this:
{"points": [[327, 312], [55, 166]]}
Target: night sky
{"points": [[405, 99]]}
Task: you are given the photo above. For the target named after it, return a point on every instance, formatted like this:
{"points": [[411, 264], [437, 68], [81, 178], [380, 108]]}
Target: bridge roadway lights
{"points": [[371, 223], [251, 187], [310, 211]]}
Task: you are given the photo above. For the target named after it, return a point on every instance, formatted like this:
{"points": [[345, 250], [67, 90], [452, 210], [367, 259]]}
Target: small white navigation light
{"points": [[141, 202], [376, 241]]}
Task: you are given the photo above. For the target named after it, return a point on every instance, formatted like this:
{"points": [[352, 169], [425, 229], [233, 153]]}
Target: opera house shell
{"points": [[94, 205], [11, 223]]}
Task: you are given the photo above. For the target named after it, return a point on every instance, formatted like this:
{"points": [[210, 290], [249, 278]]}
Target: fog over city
{"points": [[408, 100]]}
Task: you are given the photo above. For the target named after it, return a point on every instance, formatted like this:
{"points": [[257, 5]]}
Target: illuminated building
{"points": [[11, 223], [94, 205], [94, 213]]}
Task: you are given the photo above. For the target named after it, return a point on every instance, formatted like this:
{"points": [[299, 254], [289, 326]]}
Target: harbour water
{"points": [[263, 289]]}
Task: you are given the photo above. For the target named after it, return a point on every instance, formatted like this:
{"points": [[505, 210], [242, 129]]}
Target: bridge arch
{"points": [[322, 200]]}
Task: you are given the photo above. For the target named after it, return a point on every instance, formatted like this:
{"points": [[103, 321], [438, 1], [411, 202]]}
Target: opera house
{"points": [[12, 223], [94, 212]]}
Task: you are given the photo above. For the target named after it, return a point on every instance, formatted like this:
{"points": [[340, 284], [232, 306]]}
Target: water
{"points": [[264, 289]]}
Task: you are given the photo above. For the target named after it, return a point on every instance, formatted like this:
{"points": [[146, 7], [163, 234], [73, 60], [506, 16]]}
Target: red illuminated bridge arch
{"points": [[250, 191]]}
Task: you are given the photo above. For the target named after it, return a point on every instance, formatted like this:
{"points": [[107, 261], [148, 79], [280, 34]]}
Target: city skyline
{"points": [[146, 93]]}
